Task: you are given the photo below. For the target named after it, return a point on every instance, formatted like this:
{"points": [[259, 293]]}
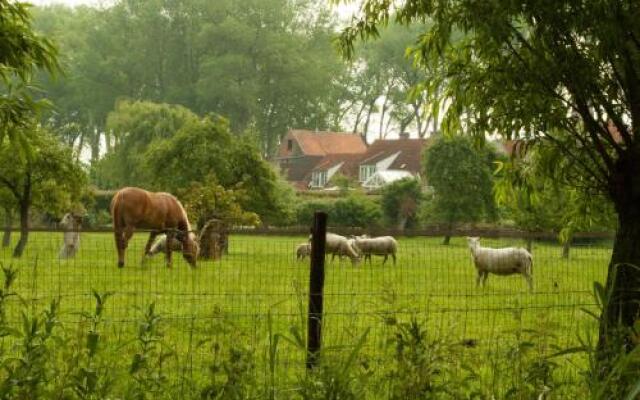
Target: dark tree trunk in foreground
{"points": [[25, 205], [8, 223], [446, 240], [566, 247], [622, 307]]}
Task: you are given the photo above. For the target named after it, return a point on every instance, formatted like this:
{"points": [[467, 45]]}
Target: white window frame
{"points": [[367, 171]]}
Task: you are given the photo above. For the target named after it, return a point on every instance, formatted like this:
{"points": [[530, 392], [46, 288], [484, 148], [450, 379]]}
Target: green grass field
{"points": [[260, 281]]}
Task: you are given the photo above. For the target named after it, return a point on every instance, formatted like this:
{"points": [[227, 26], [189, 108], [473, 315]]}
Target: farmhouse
{"points": [[310, 159], [389, 160]]}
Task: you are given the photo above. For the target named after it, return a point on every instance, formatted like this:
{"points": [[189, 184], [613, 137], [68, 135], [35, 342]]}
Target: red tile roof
{"points": [[409, 158], [324, 143]]}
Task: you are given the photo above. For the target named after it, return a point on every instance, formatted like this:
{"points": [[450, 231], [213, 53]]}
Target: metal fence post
{"points": [[316, 287]]}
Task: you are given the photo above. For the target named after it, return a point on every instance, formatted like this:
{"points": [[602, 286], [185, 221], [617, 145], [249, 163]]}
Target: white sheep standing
{"points": [[303, 250], [380, 246], [506, 261], [340, 246], [71, 224]]}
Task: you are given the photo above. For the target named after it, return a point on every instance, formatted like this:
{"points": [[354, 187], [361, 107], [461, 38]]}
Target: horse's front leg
{"points": [[168, 248], [152, 237]]}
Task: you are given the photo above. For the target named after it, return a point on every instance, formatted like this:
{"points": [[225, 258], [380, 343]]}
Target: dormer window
{"points": [[366, 171]]}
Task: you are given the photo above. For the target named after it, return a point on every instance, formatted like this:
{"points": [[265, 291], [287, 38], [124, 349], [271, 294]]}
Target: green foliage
{"points": [[400, 202], [22, 52], [45, 175], [460, 176], [264, 64], [204, 201], [355, 211], [306, 209]]}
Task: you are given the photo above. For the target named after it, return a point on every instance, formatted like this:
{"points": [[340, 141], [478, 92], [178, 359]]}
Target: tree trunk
{"points": [[24, 229], [622, 302], [566, 247], [8, 223], [446, 240]]}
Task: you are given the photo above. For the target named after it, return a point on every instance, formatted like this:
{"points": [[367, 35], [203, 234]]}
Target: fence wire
{"points": [[259, 289]]}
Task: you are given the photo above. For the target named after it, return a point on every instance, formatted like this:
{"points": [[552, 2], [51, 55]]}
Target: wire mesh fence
{"points": [[260, 289]]}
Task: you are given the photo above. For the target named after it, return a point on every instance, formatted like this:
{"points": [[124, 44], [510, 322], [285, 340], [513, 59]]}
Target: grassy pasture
{"points": [[233, 298]]}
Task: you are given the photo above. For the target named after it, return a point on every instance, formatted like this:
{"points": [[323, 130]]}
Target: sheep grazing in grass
{"points": [[506, 261], [338, 245], [303, 250], [160, 245], [380, 246]]}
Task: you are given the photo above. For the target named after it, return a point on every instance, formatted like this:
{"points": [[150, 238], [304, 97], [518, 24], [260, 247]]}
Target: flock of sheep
{"points": [[505, 261]]}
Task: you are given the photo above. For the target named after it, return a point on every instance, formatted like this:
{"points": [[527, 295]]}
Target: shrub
{"points": [[356, 211], [400, 202], [304, 213]]}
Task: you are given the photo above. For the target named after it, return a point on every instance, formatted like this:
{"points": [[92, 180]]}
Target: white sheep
{"points": [[303, 250], [160, 245], [71, 224], [380, 246], [340, 246], [506, 261]]}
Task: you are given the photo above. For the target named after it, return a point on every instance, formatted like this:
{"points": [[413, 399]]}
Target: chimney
{"points": [[404, 135]]}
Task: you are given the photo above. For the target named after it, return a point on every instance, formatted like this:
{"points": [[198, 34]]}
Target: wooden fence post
{"points": [[316, 288]]}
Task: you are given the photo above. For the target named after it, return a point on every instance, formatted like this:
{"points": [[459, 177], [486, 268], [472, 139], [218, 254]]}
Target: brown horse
{"points": [[161, 212]]}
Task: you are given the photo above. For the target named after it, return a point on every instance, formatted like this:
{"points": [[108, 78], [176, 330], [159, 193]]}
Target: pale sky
{"points": [[345, 10]]}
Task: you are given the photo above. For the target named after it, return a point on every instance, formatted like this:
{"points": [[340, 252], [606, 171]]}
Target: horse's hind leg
{"points": [[120, 246], [168, 247]]}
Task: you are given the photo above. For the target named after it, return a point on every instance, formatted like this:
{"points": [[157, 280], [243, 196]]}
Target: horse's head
{"points": [[190, 248]]}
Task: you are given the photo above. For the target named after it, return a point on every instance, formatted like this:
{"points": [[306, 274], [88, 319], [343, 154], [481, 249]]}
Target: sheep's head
{"points": [[474, 241]]}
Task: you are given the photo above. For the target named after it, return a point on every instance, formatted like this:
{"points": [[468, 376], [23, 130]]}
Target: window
{"points": [[366, 171], [289, 145], [319, 178]]}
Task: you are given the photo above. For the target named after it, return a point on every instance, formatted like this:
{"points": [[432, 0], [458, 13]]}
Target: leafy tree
{"points": [[461, 178], [264, 64], [537, 200], [22, 52], [401, 201], [44, 176], [306, 209], [138, 126], [208, 200], [561, 73]]}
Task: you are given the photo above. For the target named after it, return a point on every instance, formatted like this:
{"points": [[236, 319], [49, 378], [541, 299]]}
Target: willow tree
{"points": [[564, 73]]}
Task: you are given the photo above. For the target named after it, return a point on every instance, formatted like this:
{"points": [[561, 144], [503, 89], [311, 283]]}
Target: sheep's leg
{"points": [[485, 275], [529, 279], [385, 259], [478, 278], [393, 255]]}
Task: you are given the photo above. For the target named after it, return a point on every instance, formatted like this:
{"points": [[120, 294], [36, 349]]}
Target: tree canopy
{"points": [[22, 52], [563, 73], [461, 178]]}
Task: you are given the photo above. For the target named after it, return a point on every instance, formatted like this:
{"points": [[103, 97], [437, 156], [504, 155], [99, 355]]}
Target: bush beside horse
{"points": [[160, 212]]}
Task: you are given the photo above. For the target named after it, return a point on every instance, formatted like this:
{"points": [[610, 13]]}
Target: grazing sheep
{"points": [[303, 250], [71, 224], [506, 261], [379, 246], [340, 246], [160, 245]]}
